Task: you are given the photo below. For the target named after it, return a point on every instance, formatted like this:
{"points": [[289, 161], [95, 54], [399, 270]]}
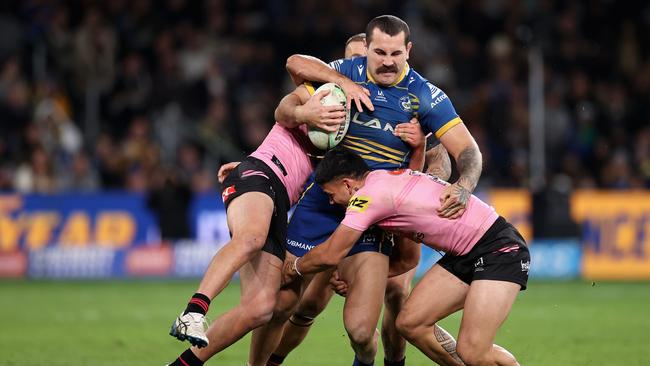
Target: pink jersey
{"points": [[289, 147], [406, 201]]}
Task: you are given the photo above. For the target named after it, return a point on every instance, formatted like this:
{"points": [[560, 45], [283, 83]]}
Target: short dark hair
{"points": [[390, 25], [340, 163], [359, 37]]}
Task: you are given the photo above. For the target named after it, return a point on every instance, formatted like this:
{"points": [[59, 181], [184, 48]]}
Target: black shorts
{"points": [[253, 175], [501, 254]]}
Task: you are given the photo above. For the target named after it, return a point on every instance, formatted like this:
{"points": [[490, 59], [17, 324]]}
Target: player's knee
{"points": [[471, 354], [361, 334], [250, 242], [406, 325], [261, 310]]}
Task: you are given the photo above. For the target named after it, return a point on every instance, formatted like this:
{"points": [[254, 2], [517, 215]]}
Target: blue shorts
{"points": [[315, 219]]}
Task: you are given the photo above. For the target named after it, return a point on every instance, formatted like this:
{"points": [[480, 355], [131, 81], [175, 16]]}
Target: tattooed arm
{"points": [[438, 162], [448, 343], [461, 145]]}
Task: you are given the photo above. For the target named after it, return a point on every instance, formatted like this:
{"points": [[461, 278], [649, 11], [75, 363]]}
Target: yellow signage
{"points": [[615, 233]]}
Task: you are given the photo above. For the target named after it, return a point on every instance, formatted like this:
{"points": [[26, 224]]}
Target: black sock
{"points": [[187, 358], [275, 360], [402, 362], [359, 363], [199, 303]]}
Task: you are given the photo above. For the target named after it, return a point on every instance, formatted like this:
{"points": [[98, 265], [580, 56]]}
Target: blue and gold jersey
{"points": [[371, 133]]}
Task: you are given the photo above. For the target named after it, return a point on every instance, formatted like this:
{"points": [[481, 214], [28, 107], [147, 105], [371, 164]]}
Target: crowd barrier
{"points": [[115, 235]]}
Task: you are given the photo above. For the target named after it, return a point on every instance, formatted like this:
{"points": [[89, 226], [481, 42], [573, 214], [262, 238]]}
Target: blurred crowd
{"points": [[152, 96]]}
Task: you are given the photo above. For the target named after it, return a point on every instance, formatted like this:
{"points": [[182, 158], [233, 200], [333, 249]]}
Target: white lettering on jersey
{"points": [[436, 101], [380, 97], [373, 123]]}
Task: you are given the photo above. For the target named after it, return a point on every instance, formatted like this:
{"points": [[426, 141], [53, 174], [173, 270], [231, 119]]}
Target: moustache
{"points": [[384, 69]]}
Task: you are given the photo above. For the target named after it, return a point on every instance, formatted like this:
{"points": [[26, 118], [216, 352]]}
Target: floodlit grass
{"points": [[126, 323]]}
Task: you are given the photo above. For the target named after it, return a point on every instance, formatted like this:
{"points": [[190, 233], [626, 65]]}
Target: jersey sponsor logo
{"points": [[405, 103], [297, 244], [439, 99], [227, 192], [373, 123], [380, 96], [360, 69], [411, 79], [359, 203]]}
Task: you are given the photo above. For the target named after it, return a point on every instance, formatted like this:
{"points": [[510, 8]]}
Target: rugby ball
{"points": [[326, 140]]}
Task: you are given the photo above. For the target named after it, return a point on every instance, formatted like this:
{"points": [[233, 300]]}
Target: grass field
{"points": [[126, 323]]}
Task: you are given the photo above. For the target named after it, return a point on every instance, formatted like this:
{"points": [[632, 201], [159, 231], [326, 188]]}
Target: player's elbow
{"points": [[471, 152], [294, 65], [291, 61], [276, 113]]}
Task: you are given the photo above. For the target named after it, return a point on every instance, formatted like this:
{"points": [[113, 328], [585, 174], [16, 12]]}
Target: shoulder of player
{"points": [[378, 181], [428, 94], [353, 68], [420, 86]]}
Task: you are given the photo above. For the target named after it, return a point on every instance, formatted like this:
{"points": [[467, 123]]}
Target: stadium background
{"points": [[114, 117]]}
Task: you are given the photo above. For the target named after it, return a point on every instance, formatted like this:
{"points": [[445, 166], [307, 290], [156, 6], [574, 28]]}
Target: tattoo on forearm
{"points": [[438, 162], [469, 167], [462, 193], [447, 342]]}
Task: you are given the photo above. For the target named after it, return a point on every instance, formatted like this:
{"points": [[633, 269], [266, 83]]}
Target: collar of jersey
{"points": [[399, 79]]}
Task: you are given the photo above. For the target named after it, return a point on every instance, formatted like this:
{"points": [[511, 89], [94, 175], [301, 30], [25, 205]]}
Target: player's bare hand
{"points": [[225, 169], [356, 93], [453, 201], [411, 133], [324, 117], [338, 285]]}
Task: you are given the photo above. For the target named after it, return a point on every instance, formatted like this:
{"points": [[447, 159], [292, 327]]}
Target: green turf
{"points": [[126, 323]]}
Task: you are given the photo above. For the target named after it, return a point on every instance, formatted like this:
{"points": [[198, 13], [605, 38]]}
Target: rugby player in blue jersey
{"points": [[398, 94], [318, 293]]}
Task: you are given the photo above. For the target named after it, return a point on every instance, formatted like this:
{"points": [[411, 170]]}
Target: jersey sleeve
{"points": [[431, 141], [437, 114], [366, 209], [343, 66]]}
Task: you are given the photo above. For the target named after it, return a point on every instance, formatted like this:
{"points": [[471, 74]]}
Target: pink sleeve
{"points": [[366, 208]]}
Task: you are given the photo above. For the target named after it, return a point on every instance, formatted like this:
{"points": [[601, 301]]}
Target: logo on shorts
{"points": [[227, 192], [369, 239], [525, 266], [359, 204], [478, 265]]}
